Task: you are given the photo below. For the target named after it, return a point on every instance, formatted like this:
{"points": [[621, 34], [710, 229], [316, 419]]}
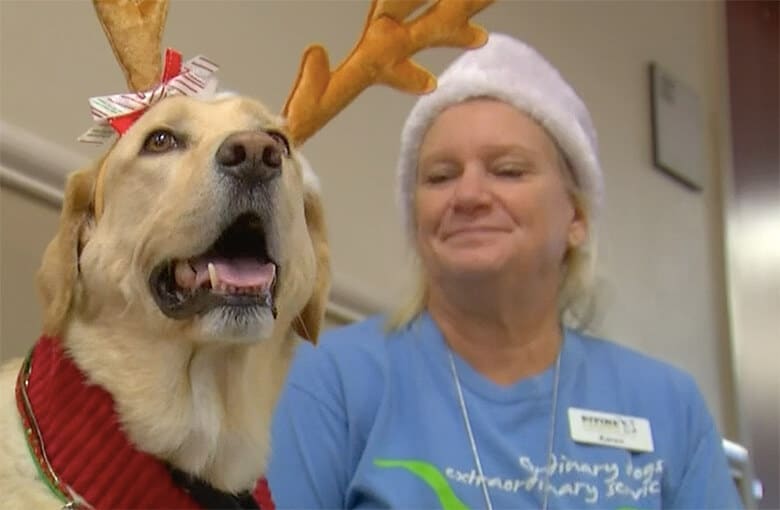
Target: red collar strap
{"points": [[84, 456]]}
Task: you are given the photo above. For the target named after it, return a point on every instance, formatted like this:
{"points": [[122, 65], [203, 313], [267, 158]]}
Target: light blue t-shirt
{"points": [[372, 420]]}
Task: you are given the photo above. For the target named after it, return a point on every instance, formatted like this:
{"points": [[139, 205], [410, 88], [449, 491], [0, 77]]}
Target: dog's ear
{"points": [[57, 276], [309, 321]]}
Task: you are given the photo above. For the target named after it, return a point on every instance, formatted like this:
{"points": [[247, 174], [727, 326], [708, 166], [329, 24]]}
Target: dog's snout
{"points": [[250, 156]]}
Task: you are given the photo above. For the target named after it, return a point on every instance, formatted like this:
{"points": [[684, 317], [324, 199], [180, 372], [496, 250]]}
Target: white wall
{"points": [[26, 226], [662, 262]]}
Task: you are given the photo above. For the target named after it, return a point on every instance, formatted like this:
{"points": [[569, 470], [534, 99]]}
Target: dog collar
{"points": [[82, 454]]}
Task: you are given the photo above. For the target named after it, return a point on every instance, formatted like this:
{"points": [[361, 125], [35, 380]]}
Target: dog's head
{"points": [[201, 221]]}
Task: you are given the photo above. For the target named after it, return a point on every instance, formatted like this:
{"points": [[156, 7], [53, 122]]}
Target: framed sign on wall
{"points": [[677, 127]]}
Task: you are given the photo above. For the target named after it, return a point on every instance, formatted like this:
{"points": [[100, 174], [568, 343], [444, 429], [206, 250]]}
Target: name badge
{"points": [[608, 429]]}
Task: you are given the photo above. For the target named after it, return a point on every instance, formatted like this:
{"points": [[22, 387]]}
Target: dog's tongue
{"points": [[239, 273], [244, 272]]}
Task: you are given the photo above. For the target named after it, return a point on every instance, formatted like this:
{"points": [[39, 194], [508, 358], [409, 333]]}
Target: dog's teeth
{"points": [[213, 276]]}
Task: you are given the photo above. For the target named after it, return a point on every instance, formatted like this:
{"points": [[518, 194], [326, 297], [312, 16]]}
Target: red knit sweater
{"points": [[85, 445]]}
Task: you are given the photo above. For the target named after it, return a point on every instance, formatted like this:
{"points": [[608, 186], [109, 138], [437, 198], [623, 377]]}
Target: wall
{"points": [[26, 226], [661, 267]]}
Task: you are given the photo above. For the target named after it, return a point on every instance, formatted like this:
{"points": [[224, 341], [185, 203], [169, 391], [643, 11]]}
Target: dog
{"points": [[188, 263]]}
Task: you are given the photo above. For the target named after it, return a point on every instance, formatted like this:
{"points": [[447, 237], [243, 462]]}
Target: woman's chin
{"points": [[472, 269]]}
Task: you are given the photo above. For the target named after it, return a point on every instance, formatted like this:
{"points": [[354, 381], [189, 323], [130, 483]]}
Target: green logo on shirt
{"points": [[431, 475], [438, 483]]}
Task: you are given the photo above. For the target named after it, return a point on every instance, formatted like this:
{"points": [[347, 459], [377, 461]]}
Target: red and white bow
{"points": [[116, 113]]}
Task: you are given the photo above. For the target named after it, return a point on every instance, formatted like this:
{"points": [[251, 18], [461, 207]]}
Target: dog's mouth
{"points": [[236, 271]]}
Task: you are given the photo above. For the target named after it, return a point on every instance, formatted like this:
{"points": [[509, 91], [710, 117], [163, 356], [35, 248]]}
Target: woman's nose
{"points": [[471, 189]]}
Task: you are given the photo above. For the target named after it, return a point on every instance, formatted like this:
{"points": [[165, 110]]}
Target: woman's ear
{"points": [[578, 225], [577, 233]]}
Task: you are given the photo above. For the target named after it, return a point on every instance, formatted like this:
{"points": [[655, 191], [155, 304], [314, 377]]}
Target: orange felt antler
{"points": [[382, 55], [134, 30]]}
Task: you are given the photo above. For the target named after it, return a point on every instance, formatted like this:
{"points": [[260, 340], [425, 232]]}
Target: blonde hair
{"points": [[576, 303]]}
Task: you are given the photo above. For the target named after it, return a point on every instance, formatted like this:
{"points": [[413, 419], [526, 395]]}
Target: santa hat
{"points": [[511, 71]]}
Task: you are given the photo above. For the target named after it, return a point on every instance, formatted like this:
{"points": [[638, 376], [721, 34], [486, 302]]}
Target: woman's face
{"points": [[490, 197]]}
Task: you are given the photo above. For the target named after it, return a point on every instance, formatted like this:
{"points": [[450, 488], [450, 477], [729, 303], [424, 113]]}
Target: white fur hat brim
{"points": [[511, 71]]}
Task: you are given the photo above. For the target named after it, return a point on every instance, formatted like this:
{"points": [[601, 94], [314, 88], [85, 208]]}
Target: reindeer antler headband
{"points": [[382, 55]]}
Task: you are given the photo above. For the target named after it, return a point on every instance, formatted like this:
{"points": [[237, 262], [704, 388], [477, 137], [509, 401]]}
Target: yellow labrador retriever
{"points": [[185, 262]]}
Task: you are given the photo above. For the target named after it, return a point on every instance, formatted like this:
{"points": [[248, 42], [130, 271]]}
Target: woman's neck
{"points": [[504, 338]]}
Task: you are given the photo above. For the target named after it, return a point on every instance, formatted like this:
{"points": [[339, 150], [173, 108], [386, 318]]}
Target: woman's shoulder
{"points": [[624, 380], [356, 334], [363, 340], [343, 351], [632, 367]]}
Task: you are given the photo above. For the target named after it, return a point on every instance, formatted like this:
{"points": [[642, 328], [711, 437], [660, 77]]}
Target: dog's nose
{"points": [[250, 156]]}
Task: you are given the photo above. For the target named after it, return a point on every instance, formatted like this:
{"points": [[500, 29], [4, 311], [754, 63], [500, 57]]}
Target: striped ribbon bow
{"points": [[116, 113]]}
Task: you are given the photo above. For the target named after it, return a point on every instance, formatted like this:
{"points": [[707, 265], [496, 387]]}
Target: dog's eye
{"points": [[160, 141], [282, 140]]}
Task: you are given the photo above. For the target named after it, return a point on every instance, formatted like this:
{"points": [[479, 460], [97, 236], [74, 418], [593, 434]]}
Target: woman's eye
{"points": [[436, 178], [438, 175], [160, 141], [510, 171], [281, 140]]}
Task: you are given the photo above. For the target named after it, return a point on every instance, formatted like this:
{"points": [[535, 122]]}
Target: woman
{"points": [[477, 396]]}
